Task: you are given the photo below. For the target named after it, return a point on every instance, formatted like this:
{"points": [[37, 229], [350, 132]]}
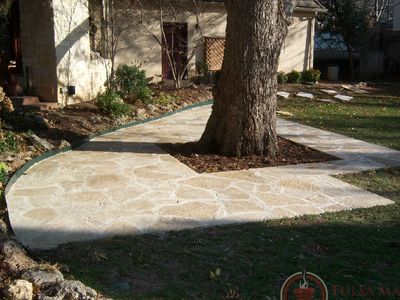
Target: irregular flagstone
{"points": [[123, 183], [305, 95], [354, 89], [235, 206], [299, 185], [41, 214], [284, 95], [329, 92], [344, 98], [282, 199], [206, 182], [233, 193], [195, 210]]}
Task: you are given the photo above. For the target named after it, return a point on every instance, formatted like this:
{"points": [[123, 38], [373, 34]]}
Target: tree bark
{"points": [[243, 119]]}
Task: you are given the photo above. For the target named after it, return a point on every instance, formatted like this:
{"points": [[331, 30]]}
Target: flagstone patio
{"points": [[123, 183]]}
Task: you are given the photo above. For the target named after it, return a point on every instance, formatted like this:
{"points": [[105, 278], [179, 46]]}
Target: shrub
{"points": [[3, 173], [112, 105], [282, 78], [312, 75], [131, 81], [164, 99], [8, 143], [202, 72], [294, 77]]}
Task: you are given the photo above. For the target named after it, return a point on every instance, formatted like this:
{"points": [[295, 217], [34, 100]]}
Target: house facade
{"points": [[61, 61]]}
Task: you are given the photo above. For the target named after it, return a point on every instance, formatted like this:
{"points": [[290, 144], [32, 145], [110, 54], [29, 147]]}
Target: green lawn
{"points": [[369, 119], [352, 249]]}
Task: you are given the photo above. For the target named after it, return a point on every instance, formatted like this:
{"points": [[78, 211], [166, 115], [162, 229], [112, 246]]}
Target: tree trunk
{"points": [[243, 119]]}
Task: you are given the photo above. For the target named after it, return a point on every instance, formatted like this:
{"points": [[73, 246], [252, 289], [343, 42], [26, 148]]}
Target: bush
{"points": [[8, 143], [131, 81], [3, 173], [294, 77], [202, 72], [112, 105], [312, 75], [164, 99], [282, 78]]}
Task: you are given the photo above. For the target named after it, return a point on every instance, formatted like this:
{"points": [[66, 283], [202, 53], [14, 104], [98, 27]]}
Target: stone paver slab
{"points": [[284, 95], [343, 98], [329, 92], [305, 95]]}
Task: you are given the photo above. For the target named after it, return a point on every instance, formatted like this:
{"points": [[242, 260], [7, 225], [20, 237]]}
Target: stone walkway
{"points": [[122, 183]]}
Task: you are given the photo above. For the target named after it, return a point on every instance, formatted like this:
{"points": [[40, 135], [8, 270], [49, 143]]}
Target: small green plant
{"points": [[202, 72], [8, 142], [294, 77], [111, 104], [130, 81], [282, 78], [3, 173], [164, 99], [311, 75]]}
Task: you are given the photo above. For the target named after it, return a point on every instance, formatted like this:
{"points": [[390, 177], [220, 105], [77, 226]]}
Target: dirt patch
{"points": [[76, 122], [290, 153]]}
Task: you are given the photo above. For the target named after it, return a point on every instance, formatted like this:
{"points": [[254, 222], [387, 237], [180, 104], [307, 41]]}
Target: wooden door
{"points": [[175, 43]]}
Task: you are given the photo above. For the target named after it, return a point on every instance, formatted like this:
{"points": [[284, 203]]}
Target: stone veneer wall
{"points": [[37, 36]]}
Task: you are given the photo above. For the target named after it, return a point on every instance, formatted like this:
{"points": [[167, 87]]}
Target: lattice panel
{"points": [[215, 48]]}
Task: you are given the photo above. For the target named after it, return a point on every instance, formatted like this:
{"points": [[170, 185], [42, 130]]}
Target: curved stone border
{"points": [[49, 154]]}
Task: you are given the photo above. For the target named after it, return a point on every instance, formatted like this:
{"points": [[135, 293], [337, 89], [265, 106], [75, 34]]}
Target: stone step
{"points": [[18, 102], [33, 103], [43, 106]]}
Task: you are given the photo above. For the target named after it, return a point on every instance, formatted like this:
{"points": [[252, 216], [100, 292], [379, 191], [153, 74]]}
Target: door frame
{"points": [[183, 53]]}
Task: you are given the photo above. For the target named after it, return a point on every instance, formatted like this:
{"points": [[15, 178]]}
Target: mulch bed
{"points": [[290, 153]]}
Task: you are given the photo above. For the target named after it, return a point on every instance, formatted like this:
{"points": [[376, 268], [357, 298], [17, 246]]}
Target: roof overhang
{"points": [[310, 6], [316, 10]]}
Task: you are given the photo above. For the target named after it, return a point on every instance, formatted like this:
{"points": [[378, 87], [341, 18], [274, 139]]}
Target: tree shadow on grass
{"points": [[355, 248]]}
